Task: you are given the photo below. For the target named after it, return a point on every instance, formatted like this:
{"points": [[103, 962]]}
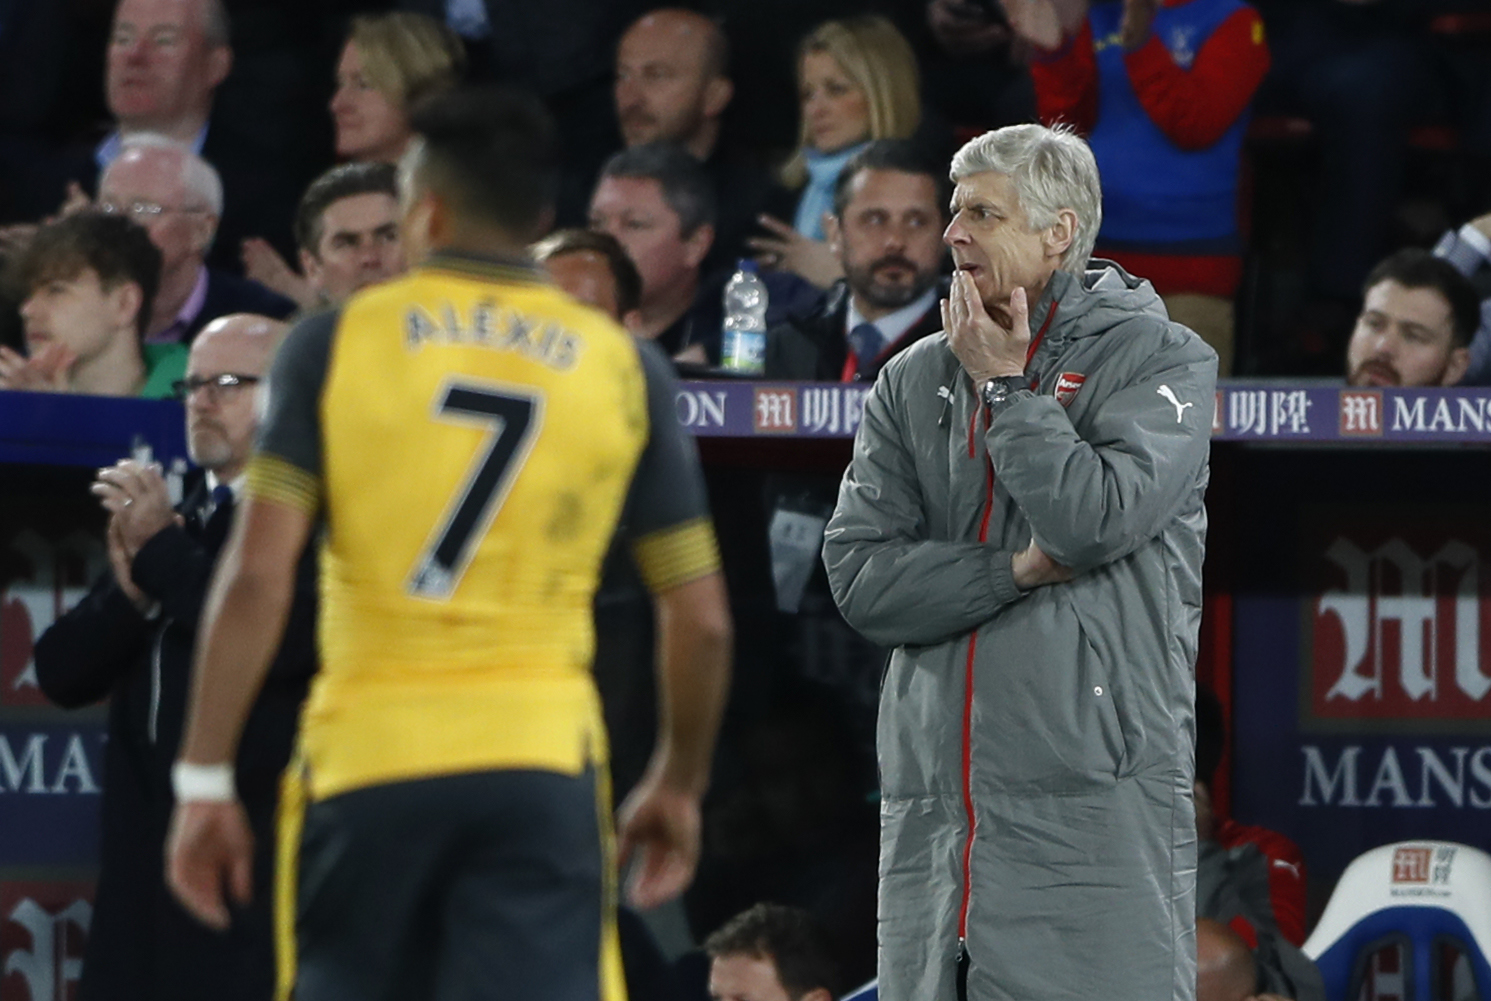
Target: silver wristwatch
{"points": [[997, 391]]}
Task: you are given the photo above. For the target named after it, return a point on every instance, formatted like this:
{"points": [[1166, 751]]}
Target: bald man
{"points": [[1224, 964], [178, 197], [130, 640], [673, 85], [671, 82]]}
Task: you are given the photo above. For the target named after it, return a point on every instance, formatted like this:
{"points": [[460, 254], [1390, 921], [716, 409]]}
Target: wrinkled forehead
{"points": [[638, 196], [145, 174], [240, 348], [674, 38], [898, 189], [362, 211], [189, 16], [986, 187], [1423, 305]]}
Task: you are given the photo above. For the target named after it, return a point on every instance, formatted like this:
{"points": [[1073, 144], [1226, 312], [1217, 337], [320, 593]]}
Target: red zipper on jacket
{"points": [[983, 536]]}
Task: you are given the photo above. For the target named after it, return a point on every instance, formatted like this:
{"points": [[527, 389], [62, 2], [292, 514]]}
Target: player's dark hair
{"points": [[116, 249], [492, 152], [1414, 267], [686, 187], [900, 155], [345, 180], [577, 241], [789, 937], [1211, 734]]}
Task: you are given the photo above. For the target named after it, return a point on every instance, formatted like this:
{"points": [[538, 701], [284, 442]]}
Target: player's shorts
{"points": [[479, 885]]}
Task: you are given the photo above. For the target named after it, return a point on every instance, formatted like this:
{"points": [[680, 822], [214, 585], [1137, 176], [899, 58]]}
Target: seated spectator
{"points": [[390, 61], [87, 282], [130, 640], [165, 62], [1418, 316], [673, 85], [771, 953], [858, 81], [1162, 97], [889, 210], [593, 267], [178, 198], [347, 227], [657, 202], [1469, 250], [1250, 879], [671, 81]]}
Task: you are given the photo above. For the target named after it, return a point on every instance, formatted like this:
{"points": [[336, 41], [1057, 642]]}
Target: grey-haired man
{"points": [[1022, 522]]}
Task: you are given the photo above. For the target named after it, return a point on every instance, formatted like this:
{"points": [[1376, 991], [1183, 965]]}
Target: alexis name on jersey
{"points": [[500, 328]]}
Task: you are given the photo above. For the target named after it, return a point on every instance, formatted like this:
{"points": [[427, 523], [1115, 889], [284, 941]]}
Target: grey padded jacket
{"points": [[1036, 748]]}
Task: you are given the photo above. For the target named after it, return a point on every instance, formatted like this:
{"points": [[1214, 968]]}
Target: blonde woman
{"points": [[390, 61], [857, 82]]}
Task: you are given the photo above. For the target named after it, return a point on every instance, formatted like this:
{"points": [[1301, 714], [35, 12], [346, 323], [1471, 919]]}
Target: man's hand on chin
{"points": [[986, 348]]}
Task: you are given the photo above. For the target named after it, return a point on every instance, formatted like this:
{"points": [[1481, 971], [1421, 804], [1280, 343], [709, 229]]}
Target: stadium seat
{"points": [[869, 992], [1409, 922]]}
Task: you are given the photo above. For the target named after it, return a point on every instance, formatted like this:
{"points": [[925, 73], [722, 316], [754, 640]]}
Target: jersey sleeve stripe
{"points": [[677, 555], [271, 478]]}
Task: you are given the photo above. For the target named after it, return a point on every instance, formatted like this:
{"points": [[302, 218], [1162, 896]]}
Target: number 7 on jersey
{"points": [[515, 418]]}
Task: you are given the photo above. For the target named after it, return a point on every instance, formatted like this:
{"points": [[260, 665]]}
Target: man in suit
{"points": [[886, 229], [178, 197], [130, 639]]}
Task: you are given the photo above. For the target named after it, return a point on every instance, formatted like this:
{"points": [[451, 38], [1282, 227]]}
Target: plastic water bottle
{"points": [[744, 347]]}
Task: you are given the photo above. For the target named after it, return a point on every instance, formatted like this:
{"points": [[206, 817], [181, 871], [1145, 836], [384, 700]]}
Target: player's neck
{"points": [[482, 242]]}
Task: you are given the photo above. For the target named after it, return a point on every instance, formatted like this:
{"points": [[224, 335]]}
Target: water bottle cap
{"points": [[747, 264]]}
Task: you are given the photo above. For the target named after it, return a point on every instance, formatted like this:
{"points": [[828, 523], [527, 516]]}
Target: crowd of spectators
{"points": [[165, 163]]}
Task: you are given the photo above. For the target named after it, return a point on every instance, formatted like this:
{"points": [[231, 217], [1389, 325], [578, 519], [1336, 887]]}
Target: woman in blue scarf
{"points": [[857, 82]]}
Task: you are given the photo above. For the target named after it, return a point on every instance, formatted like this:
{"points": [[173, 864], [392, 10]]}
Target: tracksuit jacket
{"points": [[1036, 748]]}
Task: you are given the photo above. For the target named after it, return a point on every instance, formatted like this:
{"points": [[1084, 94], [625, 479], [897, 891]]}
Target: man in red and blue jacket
{"points": [[1161, 91]]}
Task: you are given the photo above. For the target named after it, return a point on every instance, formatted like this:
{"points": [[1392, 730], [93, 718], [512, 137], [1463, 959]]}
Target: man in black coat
{"points": [[130, 639], [890, 208]]}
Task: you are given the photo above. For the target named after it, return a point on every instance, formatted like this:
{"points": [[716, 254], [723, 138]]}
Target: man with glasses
{"points": [[88, 282], [131, 640], [178, 197]]}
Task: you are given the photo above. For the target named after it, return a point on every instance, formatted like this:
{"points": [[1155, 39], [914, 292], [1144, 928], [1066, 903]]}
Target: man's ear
{"points": [[310, 266], [1060, 235], [206, 232], [817, 994], [833, 232], [124, 301], [696, 247], [717, 94], [219, 65], [1455, 366]]}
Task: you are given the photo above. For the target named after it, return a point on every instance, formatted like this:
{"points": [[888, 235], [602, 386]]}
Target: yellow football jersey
{"points": [[478, 432]]}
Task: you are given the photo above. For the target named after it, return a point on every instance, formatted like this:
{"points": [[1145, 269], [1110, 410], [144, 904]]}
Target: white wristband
{"points": [[203, 783]]}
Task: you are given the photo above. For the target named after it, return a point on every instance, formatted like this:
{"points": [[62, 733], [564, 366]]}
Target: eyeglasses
{"points": [[141, 211], [215, 385]]}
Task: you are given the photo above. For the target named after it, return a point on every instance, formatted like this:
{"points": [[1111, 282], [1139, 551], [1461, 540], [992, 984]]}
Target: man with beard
{"points": [[1417, 319], [886, 230], [130, 641]]}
